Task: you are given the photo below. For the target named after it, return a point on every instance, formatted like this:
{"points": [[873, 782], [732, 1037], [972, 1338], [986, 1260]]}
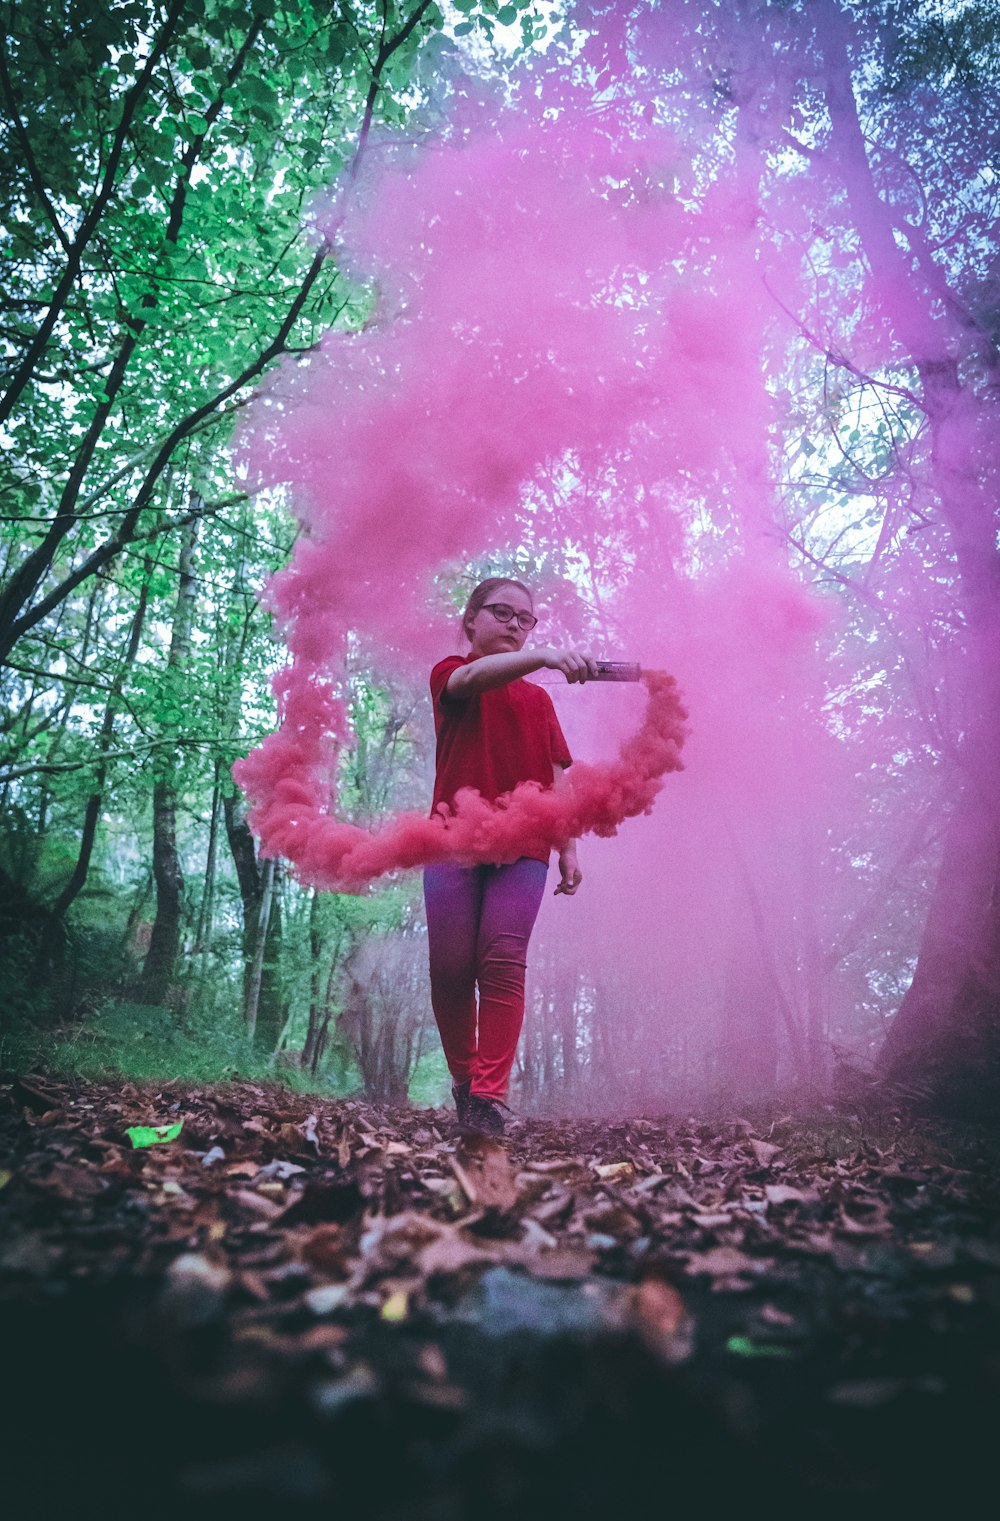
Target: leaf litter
{"points": [[777, 1283]]}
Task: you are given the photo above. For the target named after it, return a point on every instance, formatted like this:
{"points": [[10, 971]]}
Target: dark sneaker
{"points": [[484, 1115], [460, 1093]]}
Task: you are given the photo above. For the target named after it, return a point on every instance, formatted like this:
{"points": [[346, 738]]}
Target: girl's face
{"points": [[491, 637]]}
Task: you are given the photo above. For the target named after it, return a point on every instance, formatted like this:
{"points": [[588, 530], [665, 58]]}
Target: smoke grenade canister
{"points": [[618, 670]]}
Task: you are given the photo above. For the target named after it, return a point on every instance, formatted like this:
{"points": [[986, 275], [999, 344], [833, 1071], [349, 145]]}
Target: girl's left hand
{"points": [[570, 872]]}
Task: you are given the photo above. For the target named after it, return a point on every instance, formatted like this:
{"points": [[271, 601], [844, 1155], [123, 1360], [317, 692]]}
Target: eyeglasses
{"points": [[503, 614]]}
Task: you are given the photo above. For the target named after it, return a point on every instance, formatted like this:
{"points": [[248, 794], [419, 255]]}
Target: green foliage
{"points": [[157, 167], [430, 1083], [140, 1041]]}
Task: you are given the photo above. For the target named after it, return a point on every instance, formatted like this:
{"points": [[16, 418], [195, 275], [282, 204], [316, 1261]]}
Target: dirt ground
{"points": [[282, 1305]]}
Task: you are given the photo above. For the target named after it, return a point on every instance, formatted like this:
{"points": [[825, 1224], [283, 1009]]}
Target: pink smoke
{"points": [[330, 854], [530, 317]]}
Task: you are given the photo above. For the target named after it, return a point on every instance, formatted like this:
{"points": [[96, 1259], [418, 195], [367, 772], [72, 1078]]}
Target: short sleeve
{"points": [[439, 680], [557, 740]]}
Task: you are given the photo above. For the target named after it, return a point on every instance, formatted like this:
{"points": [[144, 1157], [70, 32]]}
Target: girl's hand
{"points": [[576, 665], [570, 872]]}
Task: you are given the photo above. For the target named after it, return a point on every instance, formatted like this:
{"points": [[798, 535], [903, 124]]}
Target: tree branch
{"points": [[130, 103], [31, 162]]}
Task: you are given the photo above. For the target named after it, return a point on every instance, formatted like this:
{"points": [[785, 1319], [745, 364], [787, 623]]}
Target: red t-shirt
{"points": [[493, 740]]}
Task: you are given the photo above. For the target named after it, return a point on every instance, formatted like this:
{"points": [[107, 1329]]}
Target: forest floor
{"points": [[299, 1307]]}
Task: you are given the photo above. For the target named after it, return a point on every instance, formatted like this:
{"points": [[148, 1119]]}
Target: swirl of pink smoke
{"points": [[528, 318], [328, 853]]}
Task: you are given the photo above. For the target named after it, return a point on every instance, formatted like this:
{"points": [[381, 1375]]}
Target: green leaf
{"points": [[742, 1346], [153, 1135], [258, 92]]}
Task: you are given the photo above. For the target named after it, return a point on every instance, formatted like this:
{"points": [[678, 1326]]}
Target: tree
{"points": [[161, 957], [864, 139]]}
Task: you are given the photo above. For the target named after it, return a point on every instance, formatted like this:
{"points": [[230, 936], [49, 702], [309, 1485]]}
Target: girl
{"points": [[493, 730]]}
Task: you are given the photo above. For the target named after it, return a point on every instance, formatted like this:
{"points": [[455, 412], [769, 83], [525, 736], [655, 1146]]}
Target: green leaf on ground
{"points": [[742, 1346], [153, 1135]]}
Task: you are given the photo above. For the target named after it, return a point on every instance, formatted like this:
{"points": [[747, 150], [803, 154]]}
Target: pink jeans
{"points": [[479, 921]]}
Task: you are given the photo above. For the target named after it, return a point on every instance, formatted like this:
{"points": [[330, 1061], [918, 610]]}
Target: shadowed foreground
{"points": [[299, 1306]]}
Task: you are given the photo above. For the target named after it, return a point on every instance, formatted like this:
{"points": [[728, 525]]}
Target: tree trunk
{"points": [[943, 1045], [256, 972], [161, 958], [321, 985], [92, 811], [945, 1040], [203, 933], [263, 998], [164, 943], [748, 1044]]}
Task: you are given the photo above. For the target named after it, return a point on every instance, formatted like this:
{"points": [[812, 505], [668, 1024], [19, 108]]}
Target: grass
{"points": [[145, 1043]]}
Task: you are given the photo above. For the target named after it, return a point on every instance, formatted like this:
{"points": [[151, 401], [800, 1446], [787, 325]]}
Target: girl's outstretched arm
{"points": [[491, 671]]}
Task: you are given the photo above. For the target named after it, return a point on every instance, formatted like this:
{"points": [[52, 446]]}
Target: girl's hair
{"points": [[482, 594]]}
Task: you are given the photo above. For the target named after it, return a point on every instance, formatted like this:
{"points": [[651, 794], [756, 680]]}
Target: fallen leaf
{"points": [[784, 1193], [242, 1169], [726, 1261], [655, 1308], [256, 1203], [618, 1172], [323, 1249], [875, 1224], [742, 1346], [615, 1220], [153, 1135], [173, 1194], [431, 1361], [396, 1306], [771, 1315], [484, 1171], [449, 1252], [326, 1298]]}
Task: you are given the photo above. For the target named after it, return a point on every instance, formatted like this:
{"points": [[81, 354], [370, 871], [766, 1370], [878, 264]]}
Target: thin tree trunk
{"points": [[92, 811], [136, 911], [203, 932], [262, 992], [748, 1046], [244, 855], [161, 958], [257, 963], [812, 956]]}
